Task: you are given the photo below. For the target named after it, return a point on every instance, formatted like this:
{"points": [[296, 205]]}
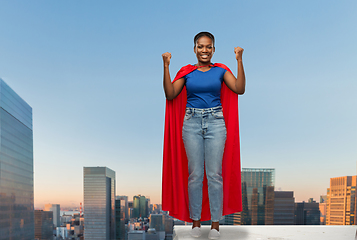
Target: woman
{"points": [[207, 87]]}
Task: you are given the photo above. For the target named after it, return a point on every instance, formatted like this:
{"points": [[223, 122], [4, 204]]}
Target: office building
{"points": [[147, 205], [120, 218], [307, 213], [323, 209], [16, 166], [124, 206], [341, 201], [169, 227], [55, 208], [140, 207], [99, 203], [43, 225], [136, 207], [258, 196], [284, 204], [143, 207], [158, 222]]}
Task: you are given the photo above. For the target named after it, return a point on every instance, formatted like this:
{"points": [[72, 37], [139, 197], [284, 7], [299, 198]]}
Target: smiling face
{"points": [[204, 50]]}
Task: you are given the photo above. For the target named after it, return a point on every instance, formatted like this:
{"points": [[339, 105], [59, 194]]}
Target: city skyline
{"points": [[92, 73]]}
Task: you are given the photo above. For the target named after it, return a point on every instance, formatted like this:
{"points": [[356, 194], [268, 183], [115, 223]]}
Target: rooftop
{"points": [[282, 232]]}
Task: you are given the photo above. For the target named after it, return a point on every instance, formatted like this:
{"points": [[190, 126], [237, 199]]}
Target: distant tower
{"points": [[16, 166], [342, 201], [284, 206], [124, 206], [307, 213], [140, 206], [99, 203], [323, 209], [136, 206], [55, 208], [43, 224], [143, 204], [258, 196], [120, 203]]}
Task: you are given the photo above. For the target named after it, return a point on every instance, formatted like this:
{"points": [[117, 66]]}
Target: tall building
{"points": [[341, 201], [169, 227], [307, 213], [323, 208], [16, 166], [140, 207], [143, 207], [99, 203], [43, 225], [147, 206], [124, 206], [258, 196], [120, 217], [158, 222], [284, 204], [55, 208], [136, 206]]}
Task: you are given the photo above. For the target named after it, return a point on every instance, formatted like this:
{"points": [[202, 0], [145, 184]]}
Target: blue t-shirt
{"points": [[204, 88]]}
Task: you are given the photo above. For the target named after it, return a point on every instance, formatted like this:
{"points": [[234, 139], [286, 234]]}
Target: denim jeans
{"points": [[204, 135]]}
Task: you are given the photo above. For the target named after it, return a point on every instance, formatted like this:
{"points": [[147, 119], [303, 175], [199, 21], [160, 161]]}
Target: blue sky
{"points": [[92, 72]]}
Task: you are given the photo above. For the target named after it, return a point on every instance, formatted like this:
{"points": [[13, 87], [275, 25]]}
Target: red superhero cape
{"points": [[175, 168]]}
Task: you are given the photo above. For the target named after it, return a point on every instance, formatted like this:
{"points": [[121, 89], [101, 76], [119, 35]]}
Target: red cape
{"points": [[175, 168]]}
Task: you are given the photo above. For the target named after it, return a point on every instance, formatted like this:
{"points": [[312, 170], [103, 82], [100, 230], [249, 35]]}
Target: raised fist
{"points": [[166, 58], [239, 52]]}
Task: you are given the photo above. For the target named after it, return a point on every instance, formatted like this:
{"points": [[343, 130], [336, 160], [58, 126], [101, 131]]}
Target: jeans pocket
{"points": [[218, 114], [188, 114]]}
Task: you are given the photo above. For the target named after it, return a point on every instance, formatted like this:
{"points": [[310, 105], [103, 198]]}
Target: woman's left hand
{"points": [[239, 52]]}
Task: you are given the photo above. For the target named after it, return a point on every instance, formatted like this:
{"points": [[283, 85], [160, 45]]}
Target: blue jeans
{"points": [[204, 136]]}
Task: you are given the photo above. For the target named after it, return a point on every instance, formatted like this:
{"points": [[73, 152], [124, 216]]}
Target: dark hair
{"points": [[201, 34]]}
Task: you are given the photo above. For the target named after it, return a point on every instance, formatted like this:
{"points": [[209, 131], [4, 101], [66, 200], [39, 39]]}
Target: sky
{"points": [[92, 73]]}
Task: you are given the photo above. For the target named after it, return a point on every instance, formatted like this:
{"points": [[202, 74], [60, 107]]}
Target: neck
{"points": [[201, 65]]}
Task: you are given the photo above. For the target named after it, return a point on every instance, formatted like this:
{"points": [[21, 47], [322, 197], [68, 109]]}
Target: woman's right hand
{"points": [[166, 58]]}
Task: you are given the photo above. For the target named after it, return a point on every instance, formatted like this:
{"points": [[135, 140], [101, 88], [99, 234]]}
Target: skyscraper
{"points": [[284, 204], [99, 203], [43, 224], [143, 207], [136, 206], [307, 213], [124, 206], [258, 196], [140, 207], [119, 219], [341, 201], [323, 209], [55, 208], [16, 166]]}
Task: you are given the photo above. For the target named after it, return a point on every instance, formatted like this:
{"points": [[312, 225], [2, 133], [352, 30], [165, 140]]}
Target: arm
{"points": [[171, 89], [237, 85]]}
